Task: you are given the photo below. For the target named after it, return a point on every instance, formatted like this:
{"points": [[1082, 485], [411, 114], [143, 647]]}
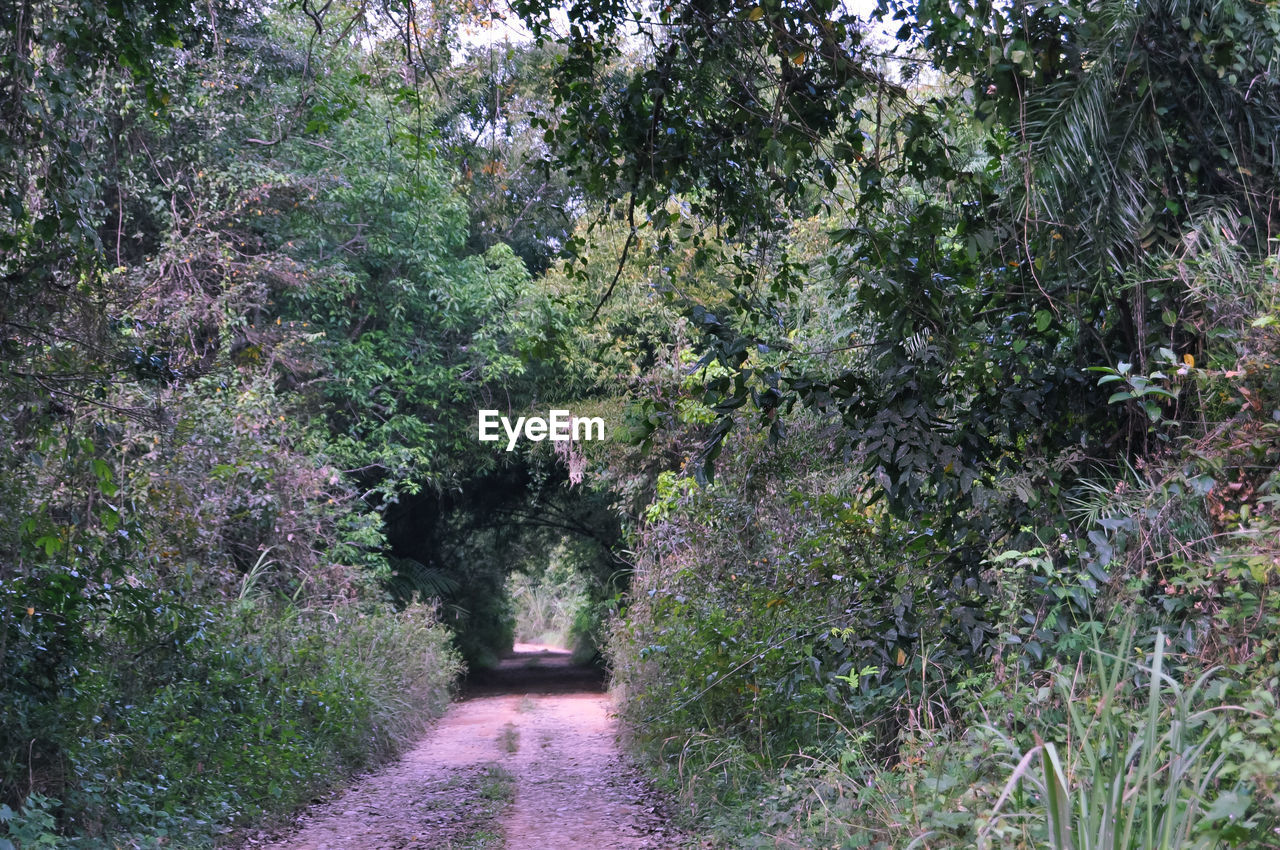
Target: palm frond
{"points": [[413, 578]]}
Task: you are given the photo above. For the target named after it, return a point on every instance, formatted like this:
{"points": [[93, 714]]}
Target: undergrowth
{"points": [[245, 715], [798, 682]]}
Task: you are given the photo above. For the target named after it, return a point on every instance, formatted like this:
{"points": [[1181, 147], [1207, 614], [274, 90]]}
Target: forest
{"points": [[936, 345]]}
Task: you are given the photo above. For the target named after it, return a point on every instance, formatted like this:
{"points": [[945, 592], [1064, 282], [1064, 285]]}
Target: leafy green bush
{"points": [[32, 826], [249, 714], [775, 606]]}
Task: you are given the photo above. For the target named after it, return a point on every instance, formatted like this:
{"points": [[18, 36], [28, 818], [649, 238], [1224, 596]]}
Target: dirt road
{"points": [[527, 760]]}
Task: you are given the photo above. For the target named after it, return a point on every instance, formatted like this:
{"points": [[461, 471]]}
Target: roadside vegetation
{"points": [[551, 607], [236, 292]]}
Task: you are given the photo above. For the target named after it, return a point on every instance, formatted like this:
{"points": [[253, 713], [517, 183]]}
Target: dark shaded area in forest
{"points": [[530, 670]]}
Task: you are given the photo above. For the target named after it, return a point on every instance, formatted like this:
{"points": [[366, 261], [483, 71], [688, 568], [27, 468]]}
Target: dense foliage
{"points": [[239, 318], [1034, 353], [937, 352]]}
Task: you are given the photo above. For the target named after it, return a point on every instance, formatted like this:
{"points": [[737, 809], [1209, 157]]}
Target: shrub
{"points": [[249, 714]]}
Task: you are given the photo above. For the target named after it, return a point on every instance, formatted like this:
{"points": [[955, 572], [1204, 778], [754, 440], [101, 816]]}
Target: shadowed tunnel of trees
{"points": [[460, 545]]}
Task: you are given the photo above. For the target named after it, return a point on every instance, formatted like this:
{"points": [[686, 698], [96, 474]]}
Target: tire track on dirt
{"points": [[551, 747]]}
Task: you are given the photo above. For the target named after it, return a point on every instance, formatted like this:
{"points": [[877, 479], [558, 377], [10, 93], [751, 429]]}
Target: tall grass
{"points": [[1133, 769]]}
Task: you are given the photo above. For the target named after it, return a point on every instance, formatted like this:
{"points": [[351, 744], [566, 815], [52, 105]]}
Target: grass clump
{"points": [[1120, 774], [509, 739], [492, 792]]}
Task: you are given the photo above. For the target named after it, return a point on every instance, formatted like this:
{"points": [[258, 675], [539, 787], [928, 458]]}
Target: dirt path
{"points": [[528, 760]]}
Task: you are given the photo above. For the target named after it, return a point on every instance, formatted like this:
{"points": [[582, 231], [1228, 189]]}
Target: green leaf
{"points": [[51, 544], [1058, 802]]}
